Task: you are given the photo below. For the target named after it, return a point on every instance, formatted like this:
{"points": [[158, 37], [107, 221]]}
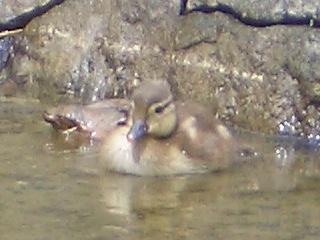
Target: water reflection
{"points": [[228, 205], [50, 190]]}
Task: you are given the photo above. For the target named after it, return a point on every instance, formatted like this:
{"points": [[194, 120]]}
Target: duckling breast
{"points": [[116, 152], [147, 159]]}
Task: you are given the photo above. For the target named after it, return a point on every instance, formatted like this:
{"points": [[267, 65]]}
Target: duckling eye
{"points": [[121, 123], [158, 109]]}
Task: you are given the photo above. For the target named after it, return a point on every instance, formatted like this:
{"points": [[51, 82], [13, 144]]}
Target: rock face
{"points": [[15, 14], [261, 12], [5, 45], [253, 75]]}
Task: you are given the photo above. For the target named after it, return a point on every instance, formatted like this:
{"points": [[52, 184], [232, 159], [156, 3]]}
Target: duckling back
{"points": [[203, 138]]}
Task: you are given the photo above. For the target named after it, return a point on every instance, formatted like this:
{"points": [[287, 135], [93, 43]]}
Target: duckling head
{"points": [[153, 111]]}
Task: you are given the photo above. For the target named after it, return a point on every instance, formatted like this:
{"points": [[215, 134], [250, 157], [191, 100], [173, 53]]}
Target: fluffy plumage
{"points": [[166, 137]]}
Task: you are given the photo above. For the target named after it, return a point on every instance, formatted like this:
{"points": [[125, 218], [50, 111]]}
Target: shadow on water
{"points": [[50, 190]]}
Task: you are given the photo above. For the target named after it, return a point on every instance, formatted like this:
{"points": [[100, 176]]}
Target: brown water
{"points": [[51, 191]]}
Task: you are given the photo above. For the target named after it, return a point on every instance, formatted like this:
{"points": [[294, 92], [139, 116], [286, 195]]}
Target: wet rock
{"points": [[16, 14], [304, 63], [65, 54], [261, 12], [5, 46], [103, 53], [258, 78], [239, 68], [11, 9], [311, 125], [7, 87]]}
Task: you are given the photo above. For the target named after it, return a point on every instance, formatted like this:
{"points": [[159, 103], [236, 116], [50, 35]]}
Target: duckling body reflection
{"points": [[165, 137]]}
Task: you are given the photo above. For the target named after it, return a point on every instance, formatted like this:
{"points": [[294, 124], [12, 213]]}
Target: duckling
{"points": [[165, 137], [91, 122]]}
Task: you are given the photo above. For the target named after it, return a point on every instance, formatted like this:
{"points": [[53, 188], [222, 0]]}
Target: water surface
{"points": [[50, 190]]}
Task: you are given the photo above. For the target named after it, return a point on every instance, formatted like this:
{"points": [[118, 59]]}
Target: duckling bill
{"points": [[164, 137]]}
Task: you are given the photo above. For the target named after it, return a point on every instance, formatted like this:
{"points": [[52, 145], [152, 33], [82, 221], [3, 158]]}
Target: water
{"points": [[53, 191]]}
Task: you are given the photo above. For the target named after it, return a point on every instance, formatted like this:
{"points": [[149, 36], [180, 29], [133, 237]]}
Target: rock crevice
{"points": [[21, 20], [262, 16]]}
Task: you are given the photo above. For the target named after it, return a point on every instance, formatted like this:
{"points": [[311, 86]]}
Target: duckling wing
{"points": [[202, 137]]}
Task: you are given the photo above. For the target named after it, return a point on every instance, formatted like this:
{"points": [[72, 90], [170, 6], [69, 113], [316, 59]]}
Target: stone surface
{"points": [[16, 14], [11, 9], [5, 46], [304, 63], [261, 12], [98, 56], [241, 69], [259, 78]]}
